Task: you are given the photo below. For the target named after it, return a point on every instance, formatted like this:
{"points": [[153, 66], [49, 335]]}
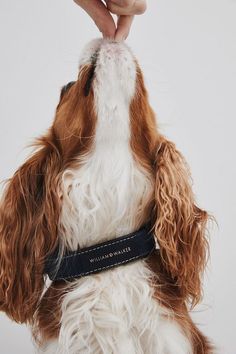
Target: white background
{"points": [[187, 50]]}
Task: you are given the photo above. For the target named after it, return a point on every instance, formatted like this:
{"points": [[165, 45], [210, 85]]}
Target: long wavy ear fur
{"points": [[180, 226], [28, 230], [30, 207]]}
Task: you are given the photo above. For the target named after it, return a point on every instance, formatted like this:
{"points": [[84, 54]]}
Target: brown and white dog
{"points": [[102, 171]]}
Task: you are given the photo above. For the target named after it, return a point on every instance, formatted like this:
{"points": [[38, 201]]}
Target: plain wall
{"points": [[187, 50]]}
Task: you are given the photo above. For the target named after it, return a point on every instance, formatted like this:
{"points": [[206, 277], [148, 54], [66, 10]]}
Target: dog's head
{"points": [[110, 84]]}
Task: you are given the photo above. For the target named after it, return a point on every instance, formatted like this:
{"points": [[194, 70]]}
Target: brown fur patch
{"points": [[168, 294], [48, 315], [30, 208], [179, 225]]}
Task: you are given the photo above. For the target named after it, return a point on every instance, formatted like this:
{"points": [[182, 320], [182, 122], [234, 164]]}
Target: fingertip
{"points": [[109, 34], [120, 37], [100, 15], [123, 27], [107, 28]]}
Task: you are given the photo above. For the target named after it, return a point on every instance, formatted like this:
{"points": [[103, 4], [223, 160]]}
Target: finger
{"points": [[123, 27], [124, 3], [138, 8], [100, 15]]}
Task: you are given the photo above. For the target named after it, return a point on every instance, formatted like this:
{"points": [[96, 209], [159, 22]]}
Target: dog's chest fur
{"points": [[114, 311]]}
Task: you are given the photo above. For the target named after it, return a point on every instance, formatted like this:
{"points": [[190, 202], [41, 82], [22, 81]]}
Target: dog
{"points": [[104, 171]]}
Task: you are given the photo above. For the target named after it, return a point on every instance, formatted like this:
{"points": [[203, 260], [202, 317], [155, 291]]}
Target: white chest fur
{"points": [[105, 198], [113, 312]]}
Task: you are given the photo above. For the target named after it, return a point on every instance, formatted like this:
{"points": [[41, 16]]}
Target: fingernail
{"points": [[108, 36], [119, 36]]}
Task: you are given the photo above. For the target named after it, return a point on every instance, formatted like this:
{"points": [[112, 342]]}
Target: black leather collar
{"points": [[106, 255]]}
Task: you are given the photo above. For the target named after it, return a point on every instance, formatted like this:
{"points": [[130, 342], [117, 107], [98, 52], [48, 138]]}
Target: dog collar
{"points": [[102, 256]]}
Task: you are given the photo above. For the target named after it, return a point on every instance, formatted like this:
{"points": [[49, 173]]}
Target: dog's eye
{"points": [[89, 81], [66, 88]]}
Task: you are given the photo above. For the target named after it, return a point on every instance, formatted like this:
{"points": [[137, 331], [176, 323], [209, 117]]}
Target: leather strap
{"points": [[106, 255]]}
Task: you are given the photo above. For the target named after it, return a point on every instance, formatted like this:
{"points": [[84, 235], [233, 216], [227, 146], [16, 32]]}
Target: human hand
{"points": [[101, 15]]}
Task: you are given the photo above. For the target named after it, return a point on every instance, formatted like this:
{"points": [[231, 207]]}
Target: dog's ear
{"points": [[180, 226], [28, 231]]}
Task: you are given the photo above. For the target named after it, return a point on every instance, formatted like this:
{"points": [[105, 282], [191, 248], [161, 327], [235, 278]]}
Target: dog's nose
{"points": [[115, 51], [107, 51], [116, 69], [113, 48], [113, 69]]}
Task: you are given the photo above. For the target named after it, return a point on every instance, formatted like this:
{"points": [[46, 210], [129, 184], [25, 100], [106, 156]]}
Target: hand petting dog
{"points": [[101, 12]]}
